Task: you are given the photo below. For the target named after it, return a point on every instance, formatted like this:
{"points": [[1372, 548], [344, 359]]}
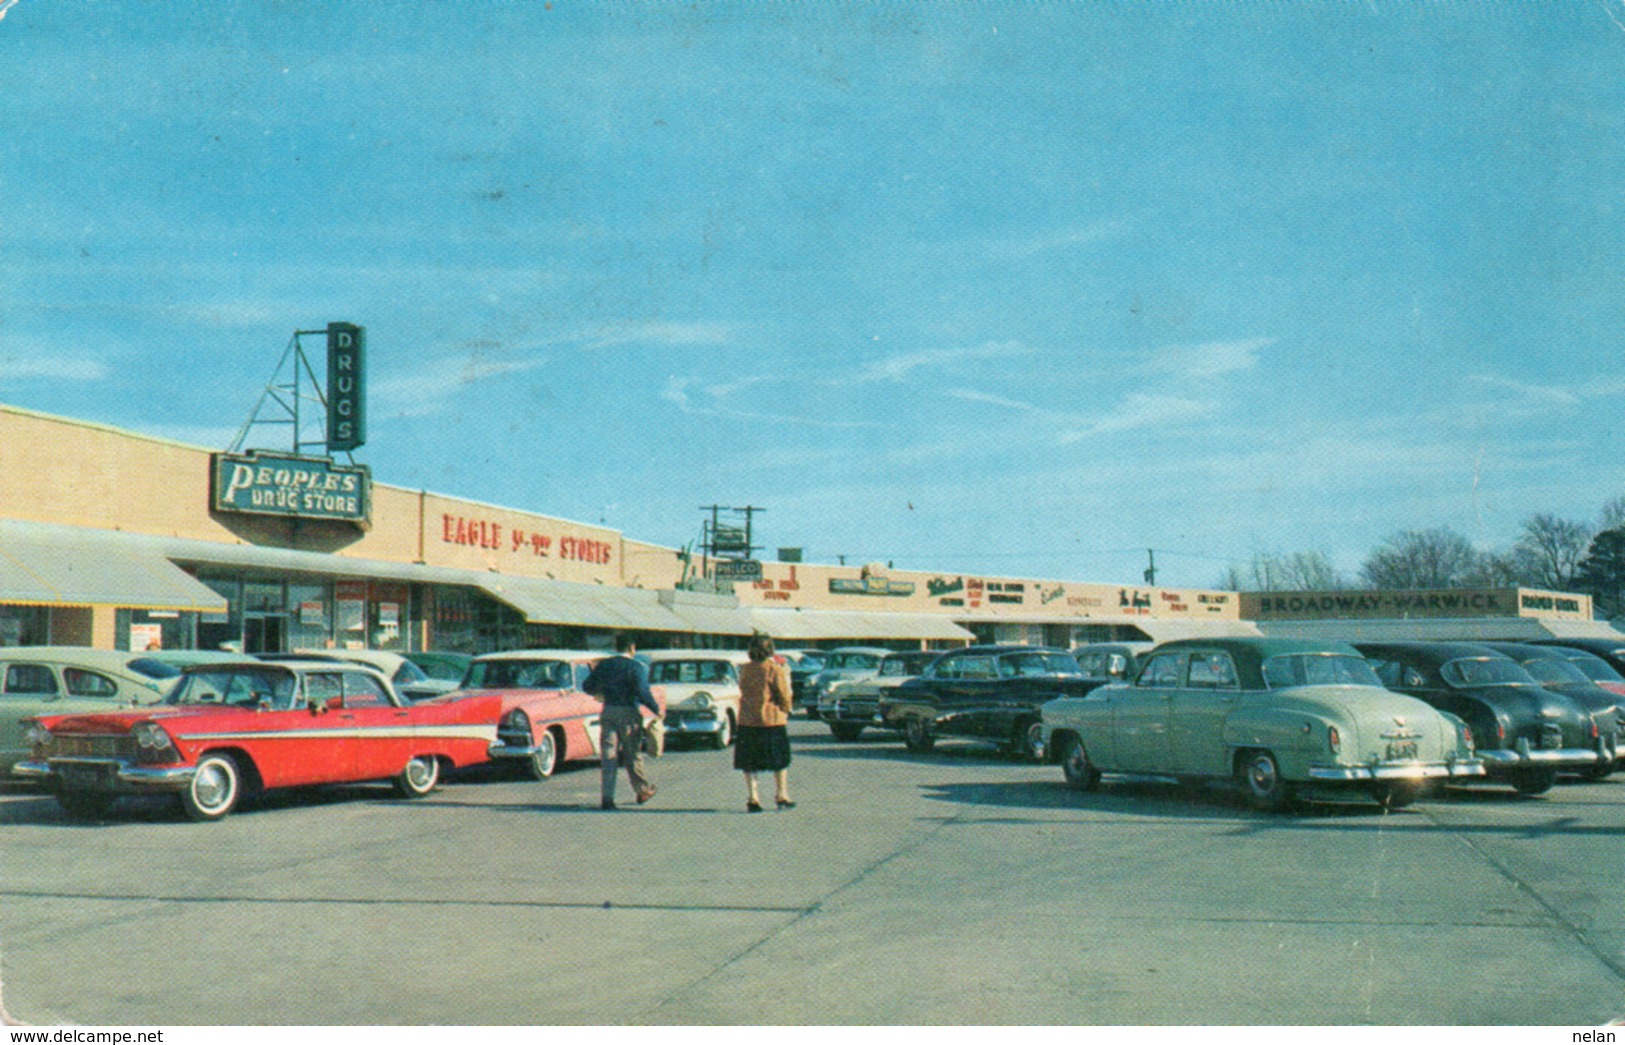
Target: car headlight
{"points": [[38, 737], [699, 702], [516, 721], [153, 743]]}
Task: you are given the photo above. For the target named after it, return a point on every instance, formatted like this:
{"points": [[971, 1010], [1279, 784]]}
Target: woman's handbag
{"points": [[654, 736]]}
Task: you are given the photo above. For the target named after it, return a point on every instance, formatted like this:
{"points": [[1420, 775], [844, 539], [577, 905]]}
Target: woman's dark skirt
{"points": [[762, 749]]}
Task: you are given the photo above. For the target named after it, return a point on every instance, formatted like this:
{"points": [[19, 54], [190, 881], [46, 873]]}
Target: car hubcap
{"points": [[420, 772], [1262, 776], [1035, 741], [544, 755], [212, 786]]}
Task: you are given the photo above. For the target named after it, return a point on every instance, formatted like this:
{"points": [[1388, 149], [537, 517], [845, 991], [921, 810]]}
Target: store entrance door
{"points": [[264, 634]]}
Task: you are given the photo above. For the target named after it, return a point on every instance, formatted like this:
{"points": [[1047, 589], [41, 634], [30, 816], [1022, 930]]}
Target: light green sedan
{"points": [[1277, 716], [66, 680]]}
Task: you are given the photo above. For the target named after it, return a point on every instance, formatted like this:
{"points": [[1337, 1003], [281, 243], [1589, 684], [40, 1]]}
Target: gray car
{"points": [[70, 680], [847, 662]]}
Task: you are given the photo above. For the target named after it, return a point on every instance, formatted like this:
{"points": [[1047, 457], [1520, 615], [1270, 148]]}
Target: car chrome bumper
{"points": [[1553, 758], [501, 750], [693, 725], [859, 714], [1398, 771], [127, 775]]}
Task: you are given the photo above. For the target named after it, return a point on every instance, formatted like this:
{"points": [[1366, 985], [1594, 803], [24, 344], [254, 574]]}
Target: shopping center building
{"points": [[115, 539]]}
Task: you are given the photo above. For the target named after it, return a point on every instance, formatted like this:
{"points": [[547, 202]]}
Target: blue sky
{"points": [[1009, 288]]}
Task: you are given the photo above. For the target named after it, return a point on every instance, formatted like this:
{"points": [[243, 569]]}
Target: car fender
{"points": [[1294, 736]]}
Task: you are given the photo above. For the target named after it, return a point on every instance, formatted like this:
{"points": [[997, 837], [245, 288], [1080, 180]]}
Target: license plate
{"points": [[1401, 750], [86, 778], [1551, 741]]}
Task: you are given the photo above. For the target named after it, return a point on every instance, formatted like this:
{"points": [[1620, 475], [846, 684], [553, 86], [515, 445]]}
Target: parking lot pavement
{"points": [[956, 887]]}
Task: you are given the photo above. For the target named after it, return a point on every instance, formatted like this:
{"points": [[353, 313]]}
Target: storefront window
{"points": [[25, 626], [310, 623], [155, 629], [222, 630]]}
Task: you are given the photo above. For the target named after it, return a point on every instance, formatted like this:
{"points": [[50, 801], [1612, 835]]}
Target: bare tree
{"points": [[1550, 549], [1439, 558], [1294, 571]]}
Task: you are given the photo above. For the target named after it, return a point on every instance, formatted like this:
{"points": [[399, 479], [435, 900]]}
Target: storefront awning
{"points": [[1169, 629], [825, 625], [707, 614], [68, 567], [586, 605]]}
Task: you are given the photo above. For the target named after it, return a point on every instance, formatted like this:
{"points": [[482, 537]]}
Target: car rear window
{"points": [[1318, 669], [1486, 671]]}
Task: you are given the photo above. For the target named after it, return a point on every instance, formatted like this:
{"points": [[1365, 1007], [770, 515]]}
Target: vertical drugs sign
{"points": [[346, 386]]}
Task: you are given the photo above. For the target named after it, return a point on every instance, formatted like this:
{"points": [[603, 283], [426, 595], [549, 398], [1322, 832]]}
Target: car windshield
{"points": [[409, 672], [1017, 665], [244, 687], [908, 664], [1318, 669], [519, 673], [153, 669], [853, 662], [707, 672], [1559, 672], [1596, 669], [443, 668], [1485, 671]]}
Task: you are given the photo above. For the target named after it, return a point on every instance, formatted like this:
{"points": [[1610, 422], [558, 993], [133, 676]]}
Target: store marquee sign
{"points": [[259, 483], [869, 586], [491, 535], [1465, 602]]}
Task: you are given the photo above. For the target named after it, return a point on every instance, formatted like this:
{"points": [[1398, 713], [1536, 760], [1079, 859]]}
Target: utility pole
{"points": [[748, 511], [1151, 566]]}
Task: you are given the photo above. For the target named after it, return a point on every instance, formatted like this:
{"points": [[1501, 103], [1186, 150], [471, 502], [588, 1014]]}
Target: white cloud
{"points": [[658, 333], [676, 392], [56, 368], [971, 396], [1096, 233], [1143, 411], [1541, 395], [429, 390], [895, 368], [1210, 359]]}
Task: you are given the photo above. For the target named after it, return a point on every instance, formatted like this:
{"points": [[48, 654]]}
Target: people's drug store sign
{"points": [[300, 487]]}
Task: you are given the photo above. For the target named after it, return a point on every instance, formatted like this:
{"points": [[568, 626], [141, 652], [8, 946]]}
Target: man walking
{"points": [[622, 683]]}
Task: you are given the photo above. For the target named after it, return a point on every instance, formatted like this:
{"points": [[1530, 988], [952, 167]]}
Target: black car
{"points": [[854, 705], [1525, 734], [805, 664], [984, 693], [1555, 670], [1111, 661]]}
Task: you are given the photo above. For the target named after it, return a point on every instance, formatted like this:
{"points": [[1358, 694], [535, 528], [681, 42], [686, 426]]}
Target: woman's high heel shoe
{"points": [[785, 803], [753, 806]]}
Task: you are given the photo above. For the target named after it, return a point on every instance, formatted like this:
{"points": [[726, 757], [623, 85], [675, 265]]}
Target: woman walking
{"points": [[763, 745]]}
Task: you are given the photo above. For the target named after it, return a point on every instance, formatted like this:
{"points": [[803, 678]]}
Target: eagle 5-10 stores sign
{"points": [[301, 487]]}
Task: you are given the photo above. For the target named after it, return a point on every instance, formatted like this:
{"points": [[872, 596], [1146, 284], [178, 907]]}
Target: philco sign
{"points": [[300, 487], [346, 386]]}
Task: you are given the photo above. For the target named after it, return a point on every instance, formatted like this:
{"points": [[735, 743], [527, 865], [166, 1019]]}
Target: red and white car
{"points": [[228, 730], [545, 719]]}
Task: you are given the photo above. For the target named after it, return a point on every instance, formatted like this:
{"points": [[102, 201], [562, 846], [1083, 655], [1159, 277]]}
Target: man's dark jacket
{"points": [[621, 682]]}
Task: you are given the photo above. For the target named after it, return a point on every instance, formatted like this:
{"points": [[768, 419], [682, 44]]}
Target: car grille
{"points": [[97, 745]]}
